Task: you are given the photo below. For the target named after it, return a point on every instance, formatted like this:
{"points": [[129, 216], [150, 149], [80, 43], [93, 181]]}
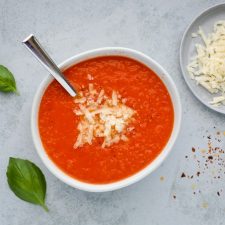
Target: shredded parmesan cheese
{"points": [[89, 77], [102, 117], [208, 66]]}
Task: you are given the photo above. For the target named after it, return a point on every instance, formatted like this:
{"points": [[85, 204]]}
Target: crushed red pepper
{"points": [[206, 159], [183, 175]]}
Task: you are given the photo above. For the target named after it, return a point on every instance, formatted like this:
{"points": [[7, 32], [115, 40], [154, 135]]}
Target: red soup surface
{"points": [[153, 121]]}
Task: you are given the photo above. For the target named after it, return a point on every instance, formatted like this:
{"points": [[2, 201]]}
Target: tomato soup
{"points": [[152, 122]]}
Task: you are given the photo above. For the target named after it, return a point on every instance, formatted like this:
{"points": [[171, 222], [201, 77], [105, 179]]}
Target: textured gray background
{"points": [[70, 27]]}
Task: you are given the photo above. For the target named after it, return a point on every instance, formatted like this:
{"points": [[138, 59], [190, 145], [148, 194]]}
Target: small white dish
{"points": [[187, 50], [164, 76]]}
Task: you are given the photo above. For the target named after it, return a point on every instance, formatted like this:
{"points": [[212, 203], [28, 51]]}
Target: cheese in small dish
{"points": [[207, 67]]}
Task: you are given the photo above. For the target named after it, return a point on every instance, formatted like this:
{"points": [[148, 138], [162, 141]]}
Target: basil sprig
{"points": [[27, 181], [7, 80]]}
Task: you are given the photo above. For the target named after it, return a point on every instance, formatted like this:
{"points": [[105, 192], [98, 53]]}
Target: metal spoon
{"points": [[38, 51]]}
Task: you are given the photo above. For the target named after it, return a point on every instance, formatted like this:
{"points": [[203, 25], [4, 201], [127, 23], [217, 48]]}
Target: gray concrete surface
{"points": [[70, 27]]}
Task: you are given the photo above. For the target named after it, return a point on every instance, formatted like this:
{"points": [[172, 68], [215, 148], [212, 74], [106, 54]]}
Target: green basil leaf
{"points": [[27, 181], [7, 80]]}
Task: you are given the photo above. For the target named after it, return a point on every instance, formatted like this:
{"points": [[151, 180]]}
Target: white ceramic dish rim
{"points": [[118, 51], [217, 109]]}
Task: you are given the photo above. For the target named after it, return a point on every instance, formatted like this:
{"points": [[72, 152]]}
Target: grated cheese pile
{"points": [[208, 66], [102, 117]]}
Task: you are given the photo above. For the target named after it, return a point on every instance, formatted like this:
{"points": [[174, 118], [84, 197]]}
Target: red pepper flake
{"points": [[183, 175], [193, 149], [210, 157]]}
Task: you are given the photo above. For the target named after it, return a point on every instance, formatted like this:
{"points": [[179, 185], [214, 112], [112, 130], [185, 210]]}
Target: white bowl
{"points": [[138, 56]]}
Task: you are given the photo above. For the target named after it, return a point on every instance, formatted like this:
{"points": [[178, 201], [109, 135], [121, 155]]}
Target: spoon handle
{"points": [[38, 51]]}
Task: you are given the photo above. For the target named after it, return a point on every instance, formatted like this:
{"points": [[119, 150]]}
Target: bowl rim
{"points": [[108, 51]]}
